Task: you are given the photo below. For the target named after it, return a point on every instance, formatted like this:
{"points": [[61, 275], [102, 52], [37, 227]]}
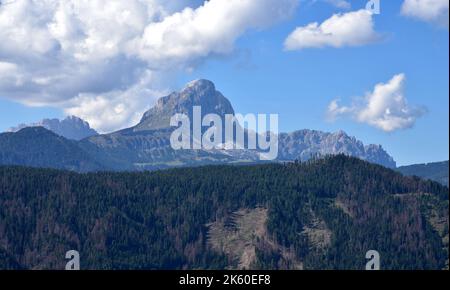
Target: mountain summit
{"points": [[71, 127], [196, 93]]}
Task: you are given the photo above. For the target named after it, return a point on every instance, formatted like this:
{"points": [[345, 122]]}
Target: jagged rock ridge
{"points": [[71, 127]]}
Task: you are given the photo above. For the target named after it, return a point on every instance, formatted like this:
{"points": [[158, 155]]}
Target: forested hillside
{"points": [[39, 147], [321, 214], [437, 171]]}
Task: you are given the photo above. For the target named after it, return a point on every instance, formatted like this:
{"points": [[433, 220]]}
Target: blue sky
{"points": [[259, 75]]}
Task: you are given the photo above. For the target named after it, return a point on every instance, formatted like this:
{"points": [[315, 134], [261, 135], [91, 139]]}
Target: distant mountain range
{"points": [[146, 146], [71, 127], [303, 144], [437, 171]]}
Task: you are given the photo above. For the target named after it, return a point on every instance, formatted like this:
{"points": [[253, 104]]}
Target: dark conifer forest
{"points": [[321, 214]]}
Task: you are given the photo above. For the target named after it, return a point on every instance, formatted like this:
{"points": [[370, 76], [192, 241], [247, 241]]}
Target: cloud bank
{"points": [[348, 29], [385, 108], [108, 60], [433, 11]]}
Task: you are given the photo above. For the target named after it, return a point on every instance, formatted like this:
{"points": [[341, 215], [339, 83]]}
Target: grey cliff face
{"points": [[197, 93], [304, 144], [71, 127]]}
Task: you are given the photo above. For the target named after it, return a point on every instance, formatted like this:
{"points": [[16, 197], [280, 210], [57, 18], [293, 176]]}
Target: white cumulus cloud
{"points": [[343, 29], [209, 29], [385, 108], [433, 11], [93, 58], [118, 108]]}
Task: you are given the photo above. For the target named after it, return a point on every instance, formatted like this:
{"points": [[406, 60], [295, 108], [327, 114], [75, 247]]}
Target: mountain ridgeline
{"points": [[320, 214], [72, 127], [146, 146], [39, 147]]}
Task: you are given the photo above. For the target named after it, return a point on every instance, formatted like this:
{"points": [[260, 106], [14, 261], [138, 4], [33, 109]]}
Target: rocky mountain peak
{"points": [[196, 93], [71, 127], [200, 85]]}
